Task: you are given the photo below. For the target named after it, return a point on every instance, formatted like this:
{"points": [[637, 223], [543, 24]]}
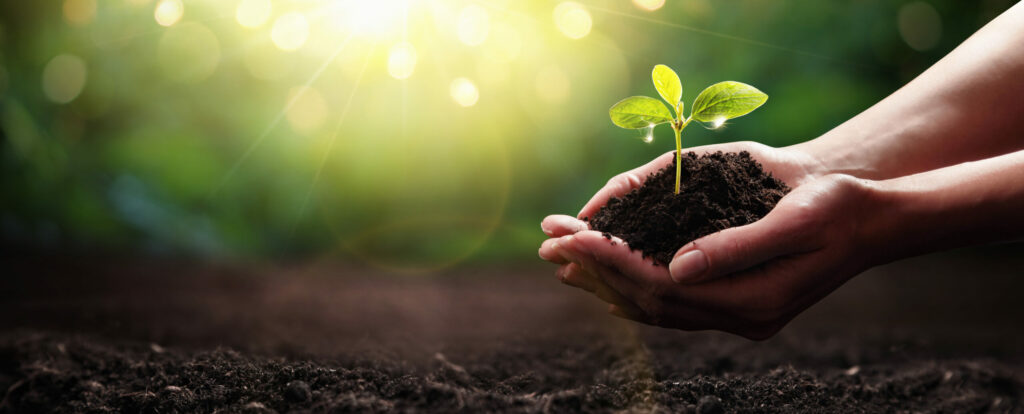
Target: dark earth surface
{"points": [[716, 191], [106, 334]]}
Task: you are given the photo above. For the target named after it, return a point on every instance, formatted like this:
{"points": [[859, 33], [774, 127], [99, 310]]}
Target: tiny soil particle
{"points": [[717, 191]]}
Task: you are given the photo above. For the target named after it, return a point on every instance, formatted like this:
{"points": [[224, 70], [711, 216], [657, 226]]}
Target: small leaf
{"points": [[726, 100], [667, 83], [638, 112]]}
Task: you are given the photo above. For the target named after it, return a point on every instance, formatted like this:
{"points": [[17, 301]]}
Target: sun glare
{"points": [[401, 60], [371, 17]]}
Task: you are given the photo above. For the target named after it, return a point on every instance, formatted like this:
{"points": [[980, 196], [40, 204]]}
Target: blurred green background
{"points": [[409, 134]]}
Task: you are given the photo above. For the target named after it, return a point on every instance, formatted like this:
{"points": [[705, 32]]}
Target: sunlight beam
{"points": [[334, 137], [277, 119]]}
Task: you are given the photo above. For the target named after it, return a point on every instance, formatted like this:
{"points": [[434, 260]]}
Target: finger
{"points": [[737, 248], [549, 251], [693, 308], [572, 275], [623, 183], [582, 253], [616, 254], [558, 225]]}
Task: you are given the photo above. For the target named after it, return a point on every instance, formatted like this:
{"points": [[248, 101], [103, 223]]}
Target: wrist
{"points": [[832, 153]]}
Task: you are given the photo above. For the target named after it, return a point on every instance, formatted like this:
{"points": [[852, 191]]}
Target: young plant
{"points": [[715, 105]]}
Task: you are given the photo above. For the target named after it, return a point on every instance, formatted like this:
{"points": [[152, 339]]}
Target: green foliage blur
{"points": [[130, 127]]}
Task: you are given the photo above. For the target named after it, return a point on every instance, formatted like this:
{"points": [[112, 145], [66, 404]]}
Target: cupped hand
{"points": [[791, 166], [749, 280]]}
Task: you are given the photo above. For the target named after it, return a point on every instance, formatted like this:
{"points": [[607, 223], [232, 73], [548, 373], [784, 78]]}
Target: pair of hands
{"points": [[749, 280]]}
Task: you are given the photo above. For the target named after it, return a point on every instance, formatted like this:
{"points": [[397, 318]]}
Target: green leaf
{"points": [[638, 112], [667, 83], [726, 100]]}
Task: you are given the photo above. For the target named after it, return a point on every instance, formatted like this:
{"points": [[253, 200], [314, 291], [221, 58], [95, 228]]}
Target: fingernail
{"points": [[688, 266], [544, 229]]}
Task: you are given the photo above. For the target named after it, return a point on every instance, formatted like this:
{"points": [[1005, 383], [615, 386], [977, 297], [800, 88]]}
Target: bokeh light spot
{"points": [[464, 92], [308, 110], [649, 5], [553, 85], [64, 78], [504, 43], [79, 12], [290, 31], [573, 20], [920, 25], [189, 53], [253, 13], [474, 24], [168, 12], [402, 60]]}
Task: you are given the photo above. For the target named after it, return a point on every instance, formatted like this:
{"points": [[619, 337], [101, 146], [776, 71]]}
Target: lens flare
{"points": [[64, 78], [474, 24], [573, 20], [718, 122], [649, 5], [253, 13], [290, 31], [168, 12], [402, 60], [464, 92], [79, 12]]}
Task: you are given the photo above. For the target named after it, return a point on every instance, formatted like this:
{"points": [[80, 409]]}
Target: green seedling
{"points": [[715, 105]]}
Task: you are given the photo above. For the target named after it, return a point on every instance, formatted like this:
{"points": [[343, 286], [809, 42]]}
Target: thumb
{"points": [[735, 249]]}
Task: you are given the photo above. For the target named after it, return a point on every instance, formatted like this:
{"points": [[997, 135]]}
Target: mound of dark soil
{"points": [[717, 191]]}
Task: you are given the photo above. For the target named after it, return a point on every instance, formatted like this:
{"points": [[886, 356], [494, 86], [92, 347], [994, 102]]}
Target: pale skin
{"points": [[938, 164]]}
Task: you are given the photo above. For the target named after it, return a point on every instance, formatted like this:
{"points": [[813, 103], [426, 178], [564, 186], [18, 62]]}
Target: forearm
{"points": [[967, 204], [968, 106]]}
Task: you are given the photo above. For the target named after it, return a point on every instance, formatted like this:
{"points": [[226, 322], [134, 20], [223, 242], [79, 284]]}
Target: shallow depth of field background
{"points": [[408, 134]]}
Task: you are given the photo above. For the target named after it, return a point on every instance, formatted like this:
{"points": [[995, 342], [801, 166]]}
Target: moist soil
{"points": [[127, 335], [717, 191]]}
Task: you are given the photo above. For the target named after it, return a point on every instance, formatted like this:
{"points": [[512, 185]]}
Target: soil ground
{"points": [[933, 334]]}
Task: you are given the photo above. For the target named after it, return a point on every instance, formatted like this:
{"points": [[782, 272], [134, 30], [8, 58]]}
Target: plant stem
{"points": [[678, 128], [679, 155]]}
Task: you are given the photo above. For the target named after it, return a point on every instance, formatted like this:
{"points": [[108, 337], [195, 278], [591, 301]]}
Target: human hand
{"points": [[792, 167], [749, 280]]}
